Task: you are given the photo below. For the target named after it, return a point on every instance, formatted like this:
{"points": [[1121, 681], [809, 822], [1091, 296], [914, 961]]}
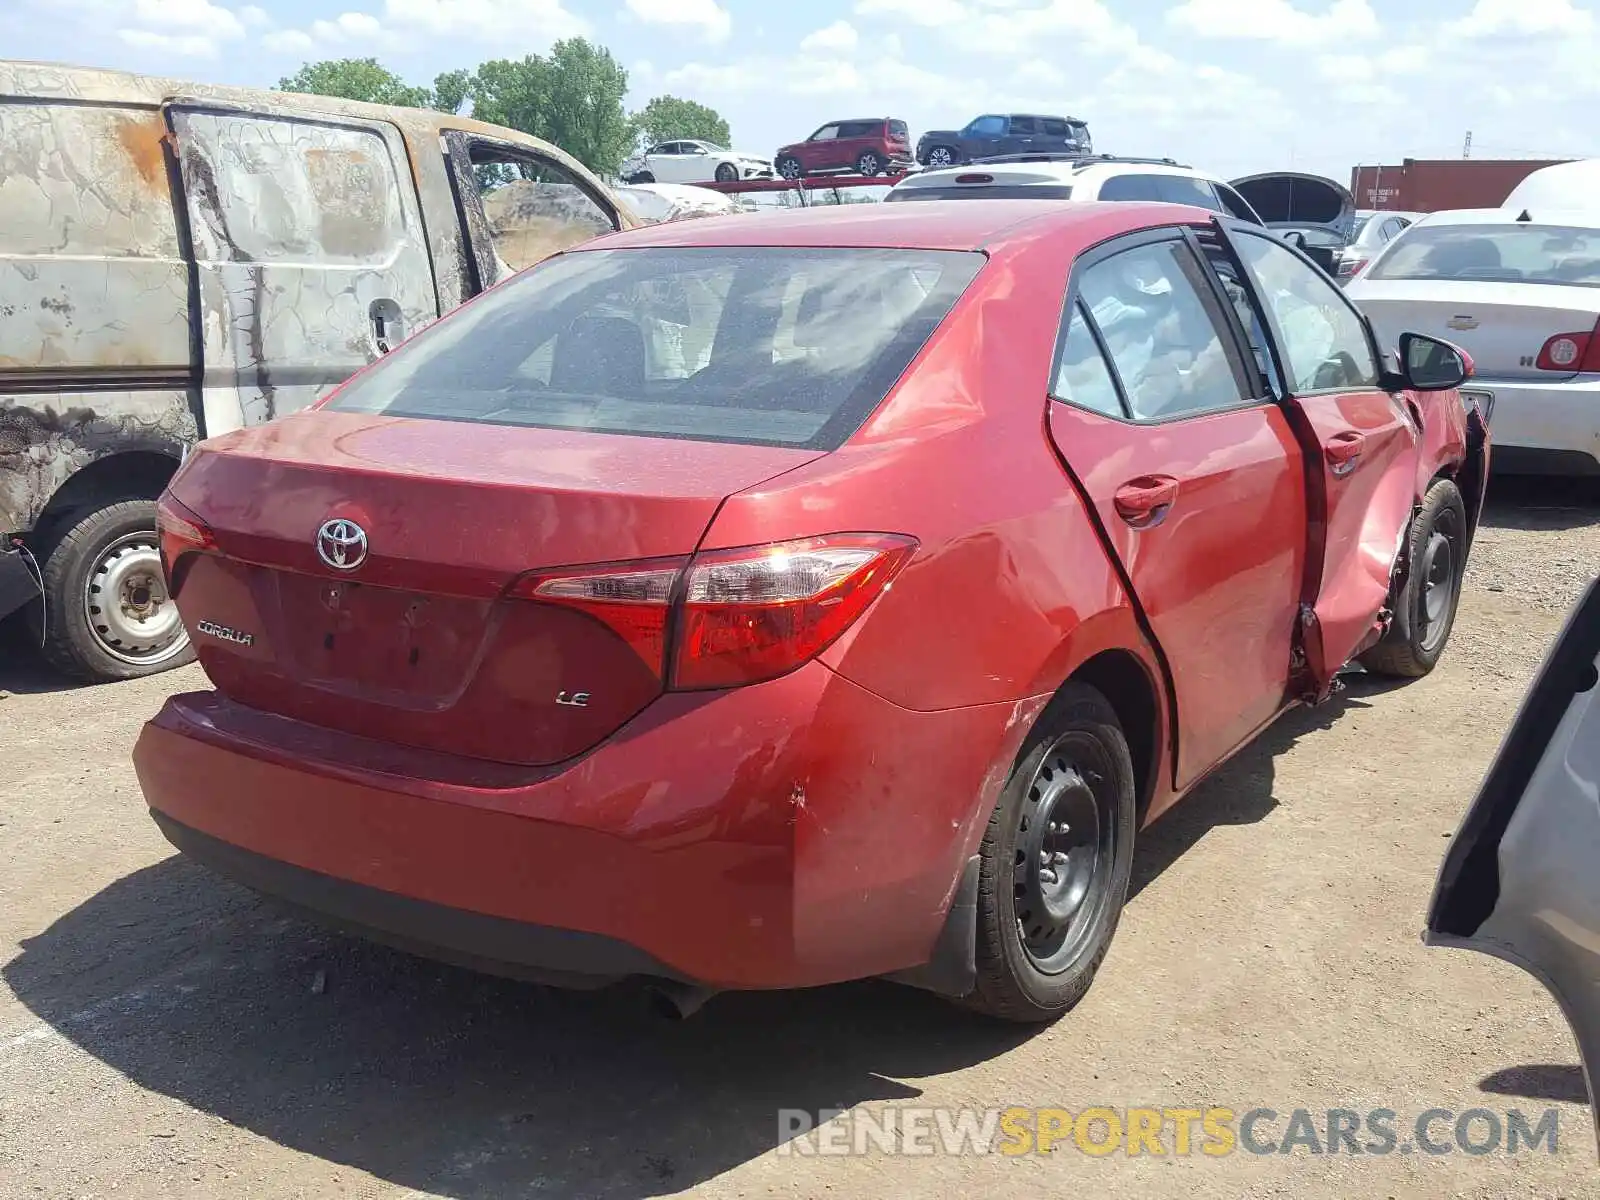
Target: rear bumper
{"points": [[1548, 426], [794, 833]]}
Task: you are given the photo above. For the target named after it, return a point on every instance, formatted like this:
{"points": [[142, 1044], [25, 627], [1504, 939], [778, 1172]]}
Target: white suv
{"points": [[1075, 177]]}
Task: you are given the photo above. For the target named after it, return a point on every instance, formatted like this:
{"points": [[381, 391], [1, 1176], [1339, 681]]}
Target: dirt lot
{"points": [[166, 1034]]}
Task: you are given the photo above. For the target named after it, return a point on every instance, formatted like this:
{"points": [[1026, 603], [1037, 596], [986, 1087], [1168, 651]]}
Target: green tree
{"points": [[572, 97], [667, 118], [451, 90], [356, 79]]}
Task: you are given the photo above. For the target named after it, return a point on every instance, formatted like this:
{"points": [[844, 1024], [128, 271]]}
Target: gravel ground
{"points": [[164, 1034]]}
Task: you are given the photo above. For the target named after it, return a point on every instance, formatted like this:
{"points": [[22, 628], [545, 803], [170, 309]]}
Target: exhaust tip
{"points": [[673, 1001]]}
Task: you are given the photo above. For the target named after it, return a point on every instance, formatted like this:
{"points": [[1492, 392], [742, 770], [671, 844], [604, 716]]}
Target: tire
{"points": [[643, 177], [941, 156], [1071, 792], [789, 167], [727, 173], [1425, 611], [869, 164], [109, 553]]}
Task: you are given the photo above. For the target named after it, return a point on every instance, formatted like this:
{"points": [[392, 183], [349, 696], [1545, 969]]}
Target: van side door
{"points": [[519, 206], [309, 250]]}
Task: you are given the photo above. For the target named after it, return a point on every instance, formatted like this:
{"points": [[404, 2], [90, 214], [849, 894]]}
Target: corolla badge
{"points": [[226, 633], [342, 544]]}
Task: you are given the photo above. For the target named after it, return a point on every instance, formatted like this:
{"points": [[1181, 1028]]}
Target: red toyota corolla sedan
{"points": [[765, 602]]}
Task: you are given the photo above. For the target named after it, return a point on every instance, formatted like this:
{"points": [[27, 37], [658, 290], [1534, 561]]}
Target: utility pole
{"points": [[1466, 149]]}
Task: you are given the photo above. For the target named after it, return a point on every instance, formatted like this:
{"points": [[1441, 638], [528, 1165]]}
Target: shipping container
{"points": [[1432, 184]]}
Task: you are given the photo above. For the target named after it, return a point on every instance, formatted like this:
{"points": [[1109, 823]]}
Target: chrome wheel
{"points": [[126, 605], [1065, 850], [939, 156]]}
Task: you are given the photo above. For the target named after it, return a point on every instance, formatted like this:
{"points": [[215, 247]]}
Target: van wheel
{"points": [[1055, 862], [1425, 611], [107, 614]]}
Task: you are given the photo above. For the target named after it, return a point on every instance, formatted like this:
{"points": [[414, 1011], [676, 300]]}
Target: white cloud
{"points": [[1012, 27], [183, 45], [412, 24], [841, 35], [1524, 18], [706, 16], [930, 14], [289, 41], [200, 18], [1273, 20]]}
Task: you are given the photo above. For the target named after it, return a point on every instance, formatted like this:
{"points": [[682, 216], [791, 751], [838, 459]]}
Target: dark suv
{"points": [[868, 146], [993, 134]]}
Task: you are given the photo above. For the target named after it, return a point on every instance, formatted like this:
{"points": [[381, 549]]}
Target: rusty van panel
{"points": [[92, 280], [44, 441], [311, 254]]}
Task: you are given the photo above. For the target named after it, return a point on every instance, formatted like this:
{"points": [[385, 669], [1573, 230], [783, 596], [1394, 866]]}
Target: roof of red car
{"points": [[926, 224]]}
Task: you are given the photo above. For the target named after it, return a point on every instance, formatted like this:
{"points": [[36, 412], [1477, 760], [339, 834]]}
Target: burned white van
{"points": [[178, 260]]}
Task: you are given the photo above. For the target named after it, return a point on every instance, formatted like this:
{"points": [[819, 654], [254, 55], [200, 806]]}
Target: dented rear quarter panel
{"points": [[101, 327]]}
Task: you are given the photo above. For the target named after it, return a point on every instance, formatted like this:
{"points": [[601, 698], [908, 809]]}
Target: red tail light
{"points": [[179, 532], [743, 615], [759, 613], [634, 600], [1571, 352]]}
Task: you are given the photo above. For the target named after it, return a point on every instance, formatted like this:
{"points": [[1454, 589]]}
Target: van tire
{"points": [[1074, 770], [1418, 635], [74, 559]]}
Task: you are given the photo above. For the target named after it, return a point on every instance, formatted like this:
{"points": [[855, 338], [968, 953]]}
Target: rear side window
{"points": [[770, 346], [984, 191], [855, 129], [1518, 253], [1131, 187], [1083, 378], [1162, 326], [1055, 127], [1024, 125], [1185, 189]]}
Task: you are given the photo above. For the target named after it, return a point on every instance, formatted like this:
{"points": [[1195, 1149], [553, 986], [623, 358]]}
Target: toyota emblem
{"points": [[342, 544]]}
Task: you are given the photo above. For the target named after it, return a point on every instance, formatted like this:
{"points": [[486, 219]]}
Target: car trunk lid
{"points": [[1502, 326], [428, 641]]}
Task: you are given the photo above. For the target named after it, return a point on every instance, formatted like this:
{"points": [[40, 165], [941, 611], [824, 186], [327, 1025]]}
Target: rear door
{"points": [[852, 140], [1021, 134], [1360, 440], [310, 252], [1195, 476]]}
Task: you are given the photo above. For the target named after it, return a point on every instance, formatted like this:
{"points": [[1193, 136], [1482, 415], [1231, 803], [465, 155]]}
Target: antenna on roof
{"points": [[1526, 216]]}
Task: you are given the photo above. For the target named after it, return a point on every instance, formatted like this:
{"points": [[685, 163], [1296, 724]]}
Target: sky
{"points": [[1230, 86]]}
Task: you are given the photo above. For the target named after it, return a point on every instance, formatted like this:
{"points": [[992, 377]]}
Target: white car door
{"points": [[1521, 881], [666, 162]]}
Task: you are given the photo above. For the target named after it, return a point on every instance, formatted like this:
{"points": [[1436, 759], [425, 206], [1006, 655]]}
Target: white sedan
{"points": [[1519, 290], [694, 162]]}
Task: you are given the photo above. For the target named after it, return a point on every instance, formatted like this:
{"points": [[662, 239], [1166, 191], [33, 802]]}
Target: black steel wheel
{"points": [[1055, 862], [1425, 610]]}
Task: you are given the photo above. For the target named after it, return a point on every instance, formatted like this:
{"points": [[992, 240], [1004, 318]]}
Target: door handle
{"points": [[1145, 502], [1343, 450], [388, 327]]}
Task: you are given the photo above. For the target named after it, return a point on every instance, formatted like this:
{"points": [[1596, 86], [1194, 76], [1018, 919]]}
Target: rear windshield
{"points": [[898, 128], [1517, 253], [769, 346], [985, 191]]}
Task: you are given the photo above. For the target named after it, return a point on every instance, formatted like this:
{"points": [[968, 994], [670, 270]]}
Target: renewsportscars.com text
{"points": [[1212, 1132]]}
